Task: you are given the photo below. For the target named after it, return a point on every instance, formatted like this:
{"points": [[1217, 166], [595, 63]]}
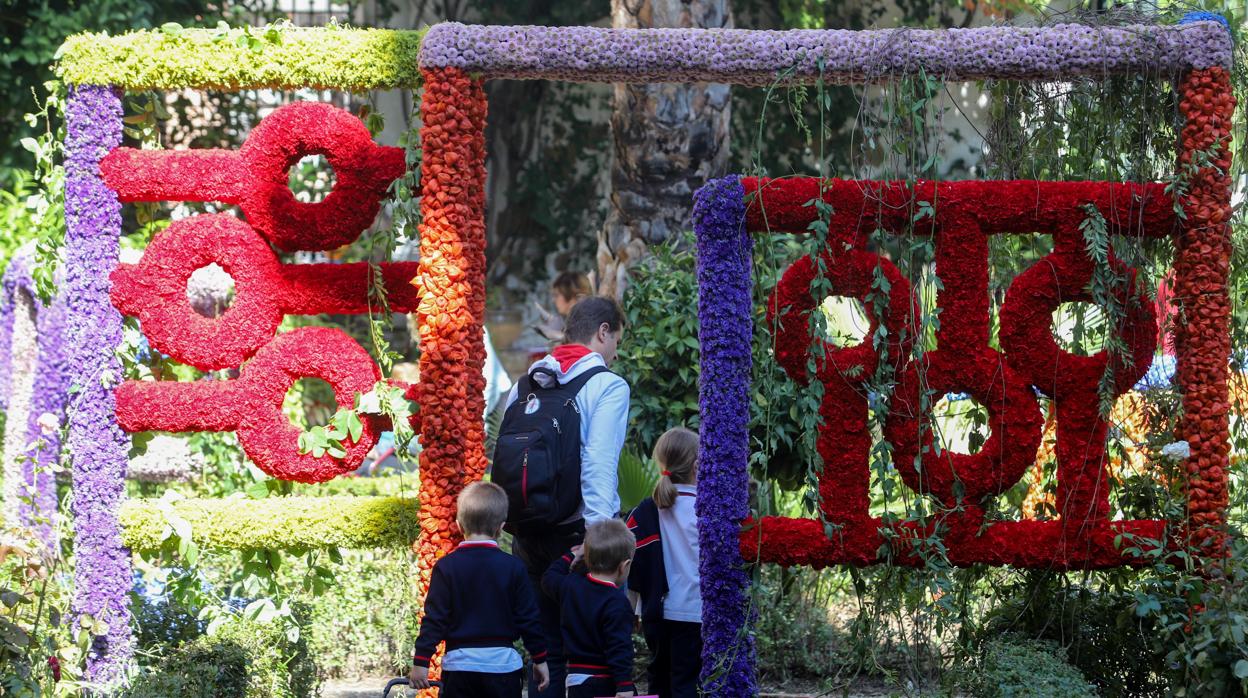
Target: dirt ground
{"points": [[865, 688]]}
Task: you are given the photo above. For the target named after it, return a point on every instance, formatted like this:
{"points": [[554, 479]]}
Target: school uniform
{"points": [[665, 575], [597, 628], [480, 602]]}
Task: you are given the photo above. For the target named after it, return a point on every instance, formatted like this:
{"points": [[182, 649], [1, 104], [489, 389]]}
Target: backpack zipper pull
{"points": [[557, 429]]}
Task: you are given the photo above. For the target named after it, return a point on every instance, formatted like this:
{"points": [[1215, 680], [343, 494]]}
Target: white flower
{"points": [[1179, 450], [48, 423]]}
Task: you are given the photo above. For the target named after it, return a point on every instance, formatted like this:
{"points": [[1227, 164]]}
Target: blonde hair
{"points": [[607, 544], [676, 452], [481, 509]]}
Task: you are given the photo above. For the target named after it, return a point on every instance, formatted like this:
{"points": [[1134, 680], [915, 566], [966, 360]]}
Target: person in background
{"points": [[595, 617], [567, 288], [480, 602], [665, 569]]}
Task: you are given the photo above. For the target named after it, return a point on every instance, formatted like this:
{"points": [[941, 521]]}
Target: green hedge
{"points": [[275, 522], [355, 60]]}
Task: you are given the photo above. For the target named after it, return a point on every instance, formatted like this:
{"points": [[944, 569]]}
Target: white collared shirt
{"points": [[678, 529]]}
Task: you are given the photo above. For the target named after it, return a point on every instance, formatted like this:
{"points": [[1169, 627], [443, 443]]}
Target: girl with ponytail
{"points": [[665, 568]]}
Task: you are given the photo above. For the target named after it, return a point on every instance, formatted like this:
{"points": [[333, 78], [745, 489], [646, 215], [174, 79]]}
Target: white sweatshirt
{"points": [[603, 403]]}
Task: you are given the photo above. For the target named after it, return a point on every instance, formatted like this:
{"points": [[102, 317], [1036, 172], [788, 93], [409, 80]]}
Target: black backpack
{"points": [[537, 459]]}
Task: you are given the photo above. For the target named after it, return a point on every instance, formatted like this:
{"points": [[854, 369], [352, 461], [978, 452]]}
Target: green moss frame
{"points": [[338, 58], [277, 522]]}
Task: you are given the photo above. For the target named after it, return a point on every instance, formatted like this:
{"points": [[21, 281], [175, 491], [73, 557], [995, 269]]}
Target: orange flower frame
{"points": [[451, 313]]}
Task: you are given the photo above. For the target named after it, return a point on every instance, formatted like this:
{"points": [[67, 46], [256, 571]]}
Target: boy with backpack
{"points": [[558, 452], [480, 602]]}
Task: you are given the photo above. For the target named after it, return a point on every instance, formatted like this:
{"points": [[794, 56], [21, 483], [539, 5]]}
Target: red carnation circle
{"points": [[154, 291], [851, 274]]}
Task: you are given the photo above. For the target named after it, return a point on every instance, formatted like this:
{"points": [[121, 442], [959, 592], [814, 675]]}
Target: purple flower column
{"points": [[45, 407], [724, 334], [97, 446]]}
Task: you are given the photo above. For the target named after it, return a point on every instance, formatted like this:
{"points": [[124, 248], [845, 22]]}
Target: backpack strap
{"points": [[574, 386]]}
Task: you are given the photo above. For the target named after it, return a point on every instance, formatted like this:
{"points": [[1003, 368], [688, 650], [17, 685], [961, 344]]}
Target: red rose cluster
{"points": [[1005, 382], [154, 290]]}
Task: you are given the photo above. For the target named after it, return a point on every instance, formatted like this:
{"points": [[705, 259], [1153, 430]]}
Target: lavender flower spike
{"points": [[724, 335], [33, 384], [97, 446]]}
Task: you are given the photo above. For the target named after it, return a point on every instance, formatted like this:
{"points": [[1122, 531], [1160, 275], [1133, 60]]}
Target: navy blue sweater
{"points": [[479, 596], [648, 576], [597, 624]]}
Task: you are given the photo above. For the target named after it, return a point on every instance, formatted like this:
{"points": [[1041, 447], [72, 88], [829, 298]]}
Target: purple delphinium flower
{"points": [[43, 408], [724, 335], [751, 57], [97, 447]]}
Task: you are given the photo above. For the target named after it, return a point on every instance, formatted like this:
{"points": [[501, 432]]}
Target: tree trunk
{"points": [[668, 140]]}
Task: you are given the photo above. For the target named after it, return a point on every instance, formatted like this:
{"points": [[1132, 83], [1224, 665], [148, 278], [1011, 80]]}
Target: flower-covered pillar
{"points": [[725, 331], [33, 384], [1202, 267], [451, 281], [97, 447]]}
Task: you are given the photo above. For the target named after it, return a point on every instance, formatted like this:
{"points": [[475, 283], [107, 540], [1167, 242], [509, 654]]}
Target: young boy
{"points": [[595, 615], [480, 602]]}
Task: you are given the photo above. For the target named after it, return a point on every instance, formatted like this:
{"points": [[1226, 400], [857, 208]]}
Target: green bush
{"points": [[365, 623], [1104, 637], [659, 358], [1018, 668], [793, 634], [242, 659]]}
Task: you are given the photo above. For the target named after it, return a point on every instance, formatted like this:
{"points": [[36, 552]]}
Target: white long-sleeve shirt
{"points": [[603, 404]]}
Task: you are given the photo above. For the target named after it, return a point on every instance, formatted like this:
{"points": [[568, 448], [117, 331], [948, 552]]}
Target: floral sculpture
{"points": [[33, 385], [154, 290], [963, 363], [454, 62]]}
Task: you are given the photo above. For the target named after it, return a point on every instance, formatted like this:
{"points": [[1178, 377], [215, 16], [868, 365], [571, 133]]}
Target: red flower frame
{"points": [[154, 290], [965, 214]]}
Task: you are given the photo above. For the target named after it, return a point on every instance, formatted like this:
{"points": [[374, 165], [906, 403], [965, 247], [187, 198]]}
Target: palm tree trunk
{"points": [[668, 140]]}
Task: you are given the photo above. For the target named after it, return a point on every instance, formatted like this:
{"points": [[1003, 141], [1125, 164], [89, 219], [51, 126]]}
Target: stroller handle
{"points": [[403, 682]]}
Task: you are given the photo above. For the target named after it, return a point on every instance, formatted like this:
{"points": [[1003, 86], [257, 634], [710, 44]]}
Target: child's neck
{"points": [[479, 536]]}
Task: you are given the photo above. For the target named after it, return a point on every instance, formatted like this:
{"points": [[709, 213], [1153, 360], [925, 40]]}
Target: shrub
{"points": [[1018, 668], [1103, 636], [793, 634], [242, 658], [365, 623]]}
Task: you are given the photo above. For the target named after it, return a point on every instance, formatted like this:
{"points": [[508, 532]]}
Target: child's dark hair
{"points": [[607, 544], [572, 285], [481, 509], [588, 315], [676, 452]]}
